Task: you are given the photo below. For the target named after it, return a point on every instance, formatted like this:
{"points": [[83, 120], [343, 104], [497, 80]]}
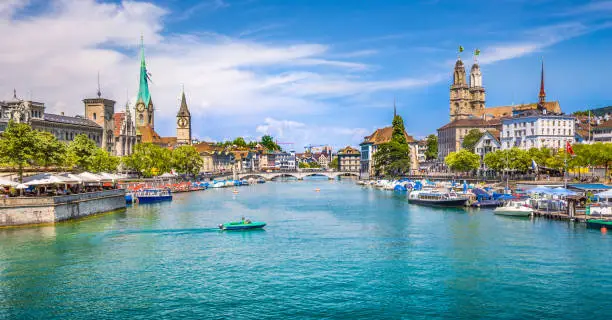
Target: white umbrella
{"points": [[605, 194], [21, 186], [6, 182]]}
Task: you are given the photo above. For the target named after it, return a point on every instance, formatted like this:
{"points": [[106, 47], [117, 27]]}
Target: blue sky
{"points": [[305, 71]]}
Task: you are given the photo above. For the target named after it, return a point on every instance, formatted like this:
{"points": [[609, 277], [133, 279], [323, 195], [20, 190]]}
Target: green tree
{"points": [[393, 158], [80, 152], [49, 150], [268, 142], [495, 160], [239, 142], [303, 165], [432, 147], [314, 165], [334, 163], [463, 161], [470, 139], [149, 159], [18, 146], [102, 161], [187, 160]]}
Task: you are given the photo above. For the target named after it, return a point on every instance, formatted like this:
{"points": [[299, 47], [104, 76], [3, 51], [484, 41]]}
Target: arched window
{"points": [[141, 119], [94, 116]]}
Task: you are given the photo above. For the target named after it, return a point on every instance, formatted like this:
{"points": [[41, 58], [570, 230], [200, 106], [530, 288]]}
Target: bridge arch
{"points": [[283, 174]]}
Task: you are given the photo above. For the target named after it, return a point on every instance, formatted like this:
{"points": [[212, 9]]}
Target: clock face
{"points": [[140, 107], [182, 122]]}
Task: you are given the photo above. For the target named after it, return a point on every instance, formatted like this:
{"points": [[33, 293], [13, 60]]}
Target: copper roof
{"points": [[383, 136]]}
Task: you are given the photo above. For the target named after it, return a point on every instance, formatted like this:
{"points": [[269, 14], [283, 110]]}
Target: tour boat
{"points": [[153, 195], [242, 225], [436, 199], [514, 209], [261, 180]]}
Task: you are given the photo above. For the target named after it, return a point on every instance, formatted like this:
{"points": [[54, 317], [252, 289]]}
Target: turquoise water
{"points": [[343, 253]]}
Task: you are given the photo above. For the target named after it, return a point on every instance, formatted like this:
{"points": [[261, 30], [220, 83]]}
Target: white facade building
{"points": [[537, 131]]}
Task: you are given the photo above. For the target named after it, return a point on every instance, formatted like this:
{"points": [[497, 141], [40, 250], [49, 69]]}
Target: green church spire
{"points": [[143, 92]]}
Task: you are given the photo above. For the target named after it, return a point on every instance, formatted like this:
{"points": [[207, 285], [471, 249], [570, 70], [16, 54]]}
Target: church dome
{"points": [[459, 63], [475, 66]]}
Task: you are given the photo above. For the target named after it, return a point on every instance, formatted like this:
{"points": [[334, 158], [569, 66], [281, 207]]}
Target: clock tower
{"points": [[144, 104], [183, 123]]}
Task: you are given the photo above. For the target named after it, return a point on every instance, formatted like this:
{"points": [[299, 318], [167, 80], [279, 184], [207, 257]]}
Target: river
{"points": [[346, 252]]}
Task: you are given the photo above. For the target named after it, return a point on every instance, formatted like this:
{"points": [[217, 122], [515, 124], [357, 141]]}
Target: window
{"points": [[94, 116]]}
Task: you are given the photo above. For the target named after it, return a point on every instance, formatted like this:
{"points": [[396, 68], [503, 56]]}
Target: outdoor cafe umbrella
{"points": [[605, 194], [541, 189], [563, 192], [6, 182]]}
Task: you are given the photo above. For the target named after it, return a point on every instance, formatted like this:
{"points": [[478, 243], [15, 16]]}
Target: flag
{"points": [[477, 52], [568, 149], [534, 165], [460, 49]]}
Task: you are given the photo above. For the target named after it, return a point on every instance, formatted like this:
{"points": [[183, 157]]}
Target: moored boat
{"points": [[436, 199], [598, 223], [514, 209], [242, 225], [153, 195]]}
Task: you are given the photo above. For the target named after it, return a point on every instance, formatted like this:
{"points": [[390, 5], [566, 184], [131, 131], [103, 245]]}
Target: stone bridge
{"points": [[296, 174]]}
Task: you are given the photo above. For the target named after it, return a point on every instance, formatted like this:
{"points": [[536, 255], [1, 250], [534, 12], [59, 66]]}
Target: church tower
{"points": [[144, 103], [459, 94], [477, 91], [542, 95], [102, 111], [183, 123]]}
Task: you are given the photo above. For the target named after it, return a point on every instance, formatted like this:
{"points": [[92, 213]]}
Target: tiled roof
{"points": [[384, 135], [471, 123], [348, 150], [170, 141], [506, 111], [148, 135], [605, 124], [79, 121], [495, 133]]}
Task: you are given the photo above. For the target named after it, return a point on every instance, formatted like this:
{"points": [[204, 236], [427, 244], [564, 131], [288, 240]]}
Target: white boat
{"points": [[514, 209]]}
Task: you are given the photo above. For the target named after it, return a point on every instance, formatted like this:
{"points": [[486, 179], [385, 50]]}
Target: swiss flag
{"points": [[568, 149]]}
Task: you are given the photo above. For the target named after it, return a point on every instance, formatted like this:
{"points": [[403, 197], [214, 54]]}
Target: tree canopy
{"points": [[432, 147], [392, 159], [19, 146], [471, 139], [462, 160], [185, 159], [149, 159], [268, 142]]}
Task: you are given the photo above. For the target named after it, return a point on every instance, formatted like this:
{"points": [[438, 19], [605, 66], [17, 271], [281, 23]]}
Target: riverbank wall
{"points": [[21, 211]]}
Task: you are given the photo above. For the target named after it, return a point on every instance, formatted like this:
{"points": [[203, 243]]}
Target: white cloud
{"points": [[301, 134], [54, 57], [536, 40]]}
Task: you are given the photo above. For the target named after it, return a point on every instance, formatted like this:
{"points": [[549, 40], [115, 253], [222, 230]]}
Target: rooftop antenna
{"points": [[99, 92]]}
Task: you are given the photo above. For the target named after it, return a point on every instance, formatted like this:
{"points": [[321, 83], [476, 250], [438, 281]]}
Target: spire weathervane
{"points": [[394, 108], [14, 93]]}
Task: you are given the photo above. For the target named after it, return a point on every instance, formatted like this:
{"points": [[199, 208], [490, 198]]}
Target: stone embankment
{"points": [[47, 210]]}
